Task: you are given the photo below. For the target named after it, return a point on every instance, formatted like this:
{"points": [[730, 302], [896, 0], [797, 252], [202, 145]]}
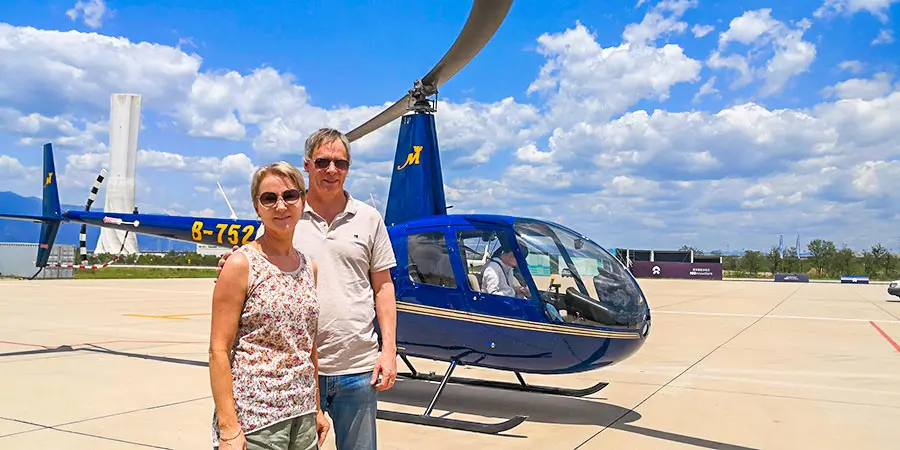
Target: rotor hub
{"points": [[418, 97]]}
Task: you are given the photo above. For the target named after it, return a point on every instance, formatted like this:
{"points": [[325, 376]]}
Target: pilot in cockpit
{"points": [[497, 276]]}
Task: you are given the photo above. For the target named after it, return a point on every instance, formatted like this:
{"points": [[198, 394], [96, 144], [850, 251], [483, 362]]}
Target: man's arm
{"points": [[386, 314], [381, 262]]}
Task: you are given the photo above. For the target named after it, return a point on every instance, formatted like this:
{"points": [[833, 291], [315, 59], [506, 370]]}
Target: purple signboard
{"points": [[665, 269]]}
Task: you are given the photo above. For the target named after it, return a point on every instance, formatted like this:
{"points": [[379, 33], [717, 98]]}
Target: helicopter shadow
{"points": [[542, 408]]}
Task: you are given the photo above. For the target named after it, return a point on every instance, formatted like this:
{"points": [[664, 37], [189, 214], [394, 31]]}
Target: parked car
{"points": [[894, 288]]}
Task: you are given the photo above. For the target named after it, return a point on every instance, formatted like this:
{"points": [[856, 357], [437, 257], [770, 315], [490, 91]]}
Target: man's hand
{"points": [[386, 366], [221, 263]]}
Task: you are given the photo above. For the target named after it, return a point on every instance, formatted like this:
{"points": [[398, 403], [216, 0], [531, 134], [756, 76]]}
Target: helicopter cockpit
{"points": [[578, 278]]}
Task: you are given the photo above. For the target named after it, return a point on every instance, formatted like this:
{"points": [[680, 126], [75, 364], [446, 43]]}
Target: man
{"points": [[348, 240], [498, 277]]}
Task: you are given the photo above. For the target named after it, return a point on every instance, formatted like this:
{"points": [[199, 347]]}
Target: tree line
{"points": [[825, 261], [157, 259]]}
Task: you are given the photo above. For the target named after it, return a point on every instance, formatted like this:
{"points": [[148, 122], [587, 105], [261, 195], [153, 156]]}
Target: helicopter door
{"points": [[497, 284], [500, 296], [427, 289]]}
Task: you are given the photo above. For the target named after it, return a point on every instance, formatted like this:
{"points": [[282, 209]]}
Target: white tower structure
{"points": [[124, 124]]}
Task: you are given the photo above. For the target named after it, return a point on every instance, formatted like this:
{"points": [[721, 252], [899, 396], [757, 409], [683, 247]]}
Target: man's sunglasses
{"points": [[323, 163], [289, 196]]}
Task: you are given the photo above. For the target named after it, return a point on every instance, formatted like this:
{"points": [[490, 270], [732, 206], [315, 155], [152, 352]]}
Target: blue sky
{"points": [[641, 123]]}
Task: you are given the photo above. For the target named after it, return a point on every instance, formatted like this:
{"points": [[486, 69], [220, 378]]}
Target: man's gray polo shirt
{"points": [[355, 244]]}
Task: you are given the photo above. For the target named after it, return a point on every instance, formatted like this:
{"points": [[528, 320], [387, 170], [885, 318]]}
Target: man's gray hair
{"points": [[324, 136]]}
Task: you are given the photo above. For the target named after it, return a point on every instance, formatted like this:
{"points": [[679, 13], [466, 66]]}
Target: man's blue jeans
{"points": [[351, 401]]}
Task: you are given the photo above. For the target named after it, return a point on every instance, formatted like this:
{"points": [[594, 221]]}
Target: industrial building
{"points": [[17, 259]]}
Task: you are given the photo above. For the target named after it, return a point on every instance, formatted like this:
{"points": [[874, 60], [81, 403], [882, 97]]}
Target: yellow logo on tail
{"points": [[49, 178], [412, 157]]}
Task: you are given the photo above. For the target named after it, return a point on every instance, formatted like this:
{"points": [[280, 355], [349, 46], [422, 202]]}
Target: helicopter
{"points": [[577, 308]]}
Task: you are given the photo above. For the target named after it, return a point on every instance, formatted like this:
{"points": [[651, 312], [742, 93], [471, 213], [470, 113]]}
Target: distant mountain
{"points": [[21, 231]]}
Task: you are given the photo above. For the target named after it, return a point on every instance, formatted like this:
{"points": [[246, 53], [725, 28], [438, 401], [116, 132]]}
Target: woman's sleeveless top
{"points": [[271, 366]]}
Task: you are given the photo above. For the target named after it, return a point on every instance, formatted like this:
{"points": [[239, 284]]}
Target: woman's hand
{"points": [[238, 443], [322, 427]]}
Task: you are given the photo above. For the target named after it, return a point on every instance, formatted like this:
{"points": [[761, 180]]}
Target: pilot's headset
{"points": [[506, 247]]}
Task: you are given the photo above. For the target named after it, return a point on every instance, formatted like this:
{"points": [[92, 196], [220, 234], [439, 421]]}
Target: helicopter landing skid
{"points": [[443, 422], [521, 386]]}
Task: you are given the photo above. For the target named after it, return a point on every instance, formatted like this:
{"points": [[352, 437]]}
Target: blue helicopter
{"points": [[576, 307]]}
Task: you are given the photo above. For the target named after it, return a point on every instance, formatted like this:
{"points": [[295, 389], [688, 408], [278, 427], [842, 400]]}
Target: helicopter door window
{"points": [[429, 261], [480, 254]]}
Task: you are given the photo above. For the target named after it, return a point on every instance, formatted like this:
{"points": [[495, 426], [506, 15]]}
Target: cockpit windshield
{"points": [[578, 277]]}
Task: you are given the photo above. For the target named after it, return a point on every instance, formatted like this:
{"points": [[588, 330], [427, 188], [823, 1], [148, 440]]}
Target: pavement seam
{"points": [[806, 399], [54, 427], [132, 411], [877, 305], [717, 294], [48, 427], [631, 410]]}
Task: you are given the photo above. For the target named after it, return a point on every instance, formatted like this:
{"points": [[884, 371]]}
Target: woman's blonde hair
{"points": [[282, 169]]}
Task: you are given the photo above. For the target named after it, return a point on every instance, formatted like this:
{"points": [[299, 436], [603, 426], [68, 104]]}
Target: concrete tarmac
{"points": [[121, 364]]}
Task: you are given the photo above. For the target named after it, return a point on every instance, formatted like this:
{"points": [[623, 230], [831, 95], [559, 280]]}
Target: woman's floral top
{"points": [[273, 375]]}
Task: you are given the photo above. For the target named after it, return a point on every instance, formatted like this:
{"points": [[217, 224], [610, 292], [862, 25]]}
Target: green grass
{"points": [[140, 272]]}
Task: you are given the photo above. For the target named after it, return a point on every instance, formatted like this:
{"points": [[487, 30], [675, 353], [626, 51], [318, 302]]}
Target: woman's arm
{"points": [[315, 347], [227, 303], [322, 425]]}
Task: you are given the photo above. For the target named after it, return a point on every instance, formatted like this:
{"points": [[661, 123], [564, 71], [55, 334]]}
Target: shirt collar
{"points": [[349, 208]]}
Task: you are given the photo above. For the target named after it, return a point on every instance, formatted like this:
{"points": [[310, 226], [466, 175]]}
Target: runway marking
{"points": [[771, 316], [167, 316], [23, 344], [885, 335]]}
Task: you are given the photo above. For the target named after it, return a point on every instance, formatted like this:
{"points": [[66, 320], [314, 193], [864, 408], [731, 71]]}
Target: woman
{"points": [[263, 364]]}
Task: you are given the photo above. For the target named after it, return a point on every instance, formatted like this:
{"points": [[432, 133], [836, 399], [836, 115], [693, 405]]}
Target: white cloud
{"points": [[92, 11], [706, 89], [10, 167], [580, 75], [790, 54], [530, 153], [656, 24], [18, 177], [884, 37], [83, 80], [853, 66], [866, 89], [831, 8], [702, 30], [749, 27]]}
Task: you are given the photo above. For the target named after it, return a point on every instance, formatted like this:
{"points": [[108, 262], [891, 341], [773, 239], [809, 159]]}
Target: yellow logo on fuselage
{"points": [[412, 157], [49, 178]]}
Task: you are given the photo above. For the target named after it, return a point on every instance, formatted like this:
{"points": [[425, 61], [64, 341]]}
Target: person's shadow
{"points": [[544, 408]]}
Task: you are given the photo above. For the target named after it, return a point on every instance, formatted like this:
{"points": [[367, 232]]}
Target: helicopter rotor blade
{"points": [[484, 20], [383, 118]]}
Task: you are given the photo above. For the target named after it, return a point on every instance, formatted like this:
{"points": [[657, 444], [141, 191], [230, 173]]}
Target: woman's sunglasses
{"points": [[289, 196], [323, 163]]}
